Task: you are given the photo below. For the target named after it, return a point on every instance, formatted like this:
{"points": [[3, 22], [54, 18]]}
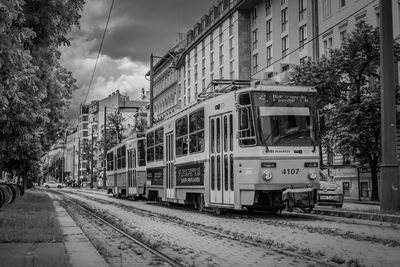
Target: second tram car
{"points": [[126, 168], [242, 149]]}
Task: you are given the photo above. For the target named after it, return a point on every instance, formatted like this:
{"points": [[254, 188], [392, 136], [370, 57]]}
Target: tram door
{"points": [[221, 159], [170, 165], [132, 183]]}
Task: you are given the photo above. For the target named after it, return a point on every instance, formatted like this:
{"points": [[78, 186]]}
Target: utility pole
{"points": [[105, 149], [73, 161], [79, 160], [91, 162], [151, 90], [63, 159], [390, 197]]}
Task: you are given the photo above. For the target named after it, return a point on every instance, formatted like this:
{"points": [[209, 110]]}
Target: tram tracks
{"points": [[162, 257], [219, 233]]}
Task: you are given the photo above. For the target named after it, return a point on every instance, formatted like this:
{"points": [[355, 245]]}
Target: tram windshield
{"points": [[285, 118]]}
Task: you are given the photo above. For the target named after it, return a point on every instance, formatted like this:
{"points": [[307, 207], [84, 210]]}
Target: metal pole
{"points": [[91, 162], [389, 169], [359, 183], [63, 162], [105, 148], [73, 161], [151, 90], [79, 160]]}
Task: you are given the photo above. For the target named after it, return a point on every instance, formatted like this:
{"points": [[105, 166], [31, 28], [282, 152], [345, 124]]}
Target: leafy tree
{"points": [[348, 80], [34, 87], [114, 131]]}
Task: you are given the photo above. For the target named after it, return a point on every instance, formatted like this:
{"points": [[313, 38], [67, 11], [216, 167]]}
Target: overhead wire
{"points": [[97, 58]]}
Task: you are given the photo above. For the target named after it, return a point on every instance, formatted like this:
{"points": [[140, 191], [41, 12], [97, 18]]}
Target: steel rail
{"points": [[155, 252], [226, 236]]}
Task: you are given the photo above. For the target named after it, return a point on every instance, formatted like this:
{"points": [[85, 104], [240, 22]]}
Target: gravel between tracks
{"points": [[371, 245]]}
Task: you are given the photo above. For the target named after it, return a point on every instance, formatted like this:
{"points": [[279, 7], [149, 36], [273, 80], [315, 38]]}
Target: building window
{"points": [[346, 188], [211, 77], [221, 35], [231, 48], [195, 73], [203, 84], [196, 132], [221, 55], [283, 2], [221, 73], [326, 8], [268, 7], [364, 189], [203, 67], [327, 44], [254, 16], [203, 49], [212, 61], [285, 46], [342, 3], [284, 19], [302, 9], [231, 71], [302, 36], [211, 42], [342, 37], [150, 147], [268, 30], [195, 55], [255, 63], [255, 33], [230, 26], [188, 80], [188, 60], [269, 55]]}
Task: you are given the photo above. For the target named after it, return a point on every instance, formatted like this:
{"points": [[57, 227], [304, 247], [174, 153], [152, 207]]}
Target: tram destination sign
{"points": [[285, 99], [190, 174]]}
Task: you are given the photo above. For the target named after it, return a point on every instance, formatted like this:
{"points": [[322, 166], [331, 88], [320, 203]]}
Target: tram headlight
{"points": [[267, 175], [312, 175]]}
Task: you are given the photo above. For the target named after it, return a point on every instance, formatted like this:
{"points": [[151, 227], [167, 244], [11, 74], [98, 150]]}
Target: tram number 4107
{"points": [[290, 171]]}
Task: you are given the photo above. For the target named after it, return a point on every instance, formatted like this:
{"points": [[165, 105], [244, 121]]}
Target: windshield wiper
{"points": [[265, 140]]}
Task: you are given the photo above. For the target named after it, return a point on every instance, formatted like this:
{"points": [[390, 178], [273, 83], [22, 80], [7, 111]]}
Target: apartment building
{"points": [[217, 48]]}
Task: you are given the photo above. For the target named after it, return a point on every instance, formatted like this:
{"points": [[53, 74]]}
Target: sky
{"points": [[136, 29]]}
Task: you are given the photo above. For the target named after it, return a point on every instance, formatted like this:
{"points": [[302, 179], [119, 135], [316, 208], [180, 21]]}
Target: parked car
{"points": [[52, 184], [330, 192]]}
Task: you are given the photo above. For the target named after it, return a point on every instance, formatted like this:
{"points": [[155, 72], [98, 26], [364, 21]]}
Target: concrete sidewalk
{"points": [[80, 250]]}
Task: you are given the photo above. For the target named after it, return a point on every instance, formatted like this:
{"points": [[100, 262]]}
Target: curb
{"points": [[359, 215], [80, 250]]}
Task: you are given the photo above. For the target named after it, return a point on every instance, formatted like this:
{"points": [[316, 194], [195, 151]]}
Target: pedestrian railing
{"points": [[8, 193]]}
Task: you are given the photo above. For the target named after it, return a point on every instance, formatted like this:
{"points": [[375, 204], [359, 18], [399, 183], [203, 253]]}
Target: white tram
{"points": [[126, 168], [116, 170], [239, 149]]}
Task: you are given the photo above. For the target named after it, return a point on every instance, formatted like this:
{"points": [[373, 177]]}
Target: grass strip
{"points": [[30, 219]]}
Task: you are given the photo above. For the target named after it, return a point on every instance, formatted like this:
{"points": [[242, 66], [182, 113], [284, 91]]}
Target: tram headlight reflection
{"points": [[267, 175]]}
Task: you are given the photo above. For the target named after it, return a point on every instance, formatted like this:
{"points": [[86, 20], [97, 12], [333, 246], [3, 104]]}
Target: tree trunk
{"points": [[374, 180]]}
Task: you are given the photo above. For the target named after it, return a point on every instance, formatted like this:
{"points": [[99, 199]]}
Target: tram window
{"points": [[196, 127], [181, 130], [130, 158], [142, 153], [121, 157], [212, 136], [231, 164], [110, 161], [231, 132], [212, 173], [226, 173], [159, 144], [150, 147], [246, 127], [218, 139], [225, 133], [244, 99], [219, 173]]}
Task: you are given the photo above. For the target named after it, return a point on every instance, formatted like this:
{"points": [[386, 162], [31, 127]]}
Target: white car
{"points": [[330, 192], [52, 184]]}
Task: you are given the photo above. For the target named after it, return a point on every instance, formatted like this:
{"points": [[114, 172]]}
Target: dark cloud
{"points": [[140, 27]]}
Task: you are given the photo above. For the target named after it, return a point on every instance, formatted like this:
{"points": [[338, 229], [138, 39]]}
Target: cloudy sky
{"points": [[136, 28]]}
